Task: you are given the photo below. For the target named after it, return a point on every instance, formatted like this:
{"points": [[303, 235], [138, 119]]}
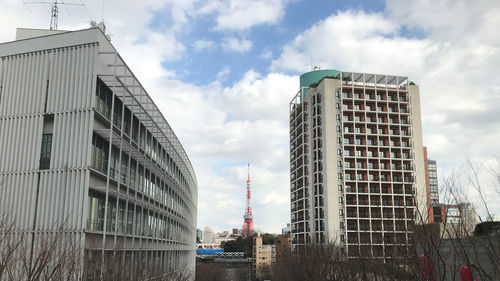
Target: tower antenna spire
{"points": [[54, 10], [248, 216]]}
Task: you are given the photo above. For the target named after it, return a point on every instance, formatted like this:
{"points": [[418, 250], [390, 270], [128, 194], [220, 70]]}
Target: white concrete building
{"points": [[84, 147], [356, 161]]}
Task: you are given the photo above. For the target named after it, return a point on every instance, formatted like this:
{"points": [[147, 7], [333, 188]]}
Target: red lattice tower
{"points": [[248, 217]]}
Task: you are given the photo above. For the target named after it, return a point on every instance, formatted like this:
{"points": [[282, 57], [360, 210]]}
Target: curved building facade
{"points": [[84, 149]]}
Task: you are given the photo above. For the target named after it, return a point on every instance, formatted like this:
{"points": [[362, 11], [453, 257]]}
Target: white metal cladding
{"points": [[17, 196], [60, 81], [60, 200], [71, 78], [23, 83], [71, 141], [20, 140]]}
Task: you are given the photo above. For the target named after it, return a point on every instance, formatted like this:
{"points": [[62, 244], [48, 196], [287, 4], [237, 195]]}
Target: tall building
{"points": [[356, 161], [431, 180], [208, 235], [87, 153]]}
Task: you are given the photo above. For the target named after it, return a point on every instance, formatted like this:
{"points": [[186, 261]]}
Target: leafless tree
{"points": [[440, 251], [211, 272]]}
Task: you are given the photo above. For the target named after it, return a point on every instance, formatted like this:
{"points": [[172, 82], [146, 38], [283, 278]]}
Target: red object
{"points": [[465, 273], [248, 217], [429, 271]]}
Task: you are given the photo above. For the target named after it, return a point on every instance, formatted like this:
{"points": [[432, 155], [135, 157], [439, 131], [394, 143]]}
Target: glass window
{"points": [[45, 151]]}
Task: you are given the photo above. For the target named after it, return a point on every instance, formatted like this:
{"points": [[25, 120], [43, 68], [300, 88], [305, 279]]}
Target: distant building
{"points": [[208, 235], [199, 234], [283, 245], [207, 246], [236, 231], [431, 184], [455, 220], [286, 230], [263, 256]]}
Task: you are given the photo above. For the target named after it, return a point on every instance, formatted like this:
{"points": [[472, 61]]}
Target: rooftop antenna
{"points": [[54, 10]]}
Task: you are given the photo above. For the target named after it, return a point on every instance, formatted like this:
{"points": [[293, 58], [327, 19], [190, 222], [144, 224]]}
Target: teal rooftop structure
{"points": [[311, 77]]}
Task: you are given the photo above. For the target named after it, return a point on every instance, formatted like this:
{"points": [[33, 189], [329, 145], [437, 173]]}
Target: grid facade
{"points": [[86, 149], [433, 182], [353, 163]]}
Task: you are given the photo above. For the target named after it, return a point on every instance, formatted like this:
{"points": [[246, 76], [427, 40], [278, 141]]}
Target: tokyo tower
{"points": [[248, 217]]}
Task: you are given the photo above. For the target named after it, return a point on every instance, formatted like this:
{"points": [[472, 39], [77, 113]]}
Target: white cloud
{"points": [[223, 127], [222, 75], [266, 54], [243, 14], [203, 44], [453, 59], [237, 45]]}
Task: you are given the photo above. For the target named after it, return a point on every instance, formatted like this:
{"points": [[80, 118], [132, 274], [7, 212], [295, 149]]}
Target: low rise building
{"points": [[263, 257]]}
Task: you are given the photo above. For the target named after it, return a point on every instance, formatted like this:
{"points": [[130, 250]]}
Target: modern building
{"points": [[457, 220], [263, 256], [208, 235], [431, 180], [356, 162], [286, 230], [86, 152], [199, 235]]}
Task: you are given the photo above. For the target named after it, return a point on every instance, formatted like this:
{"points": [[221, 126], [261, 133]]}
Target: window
{"points": [[342, 238], [346, 141], [370, 165], [338, 129], [358, 153], [339, 152], [342, 226], [103, 99], [369, 142], [340, 187], [338, 140], [357, 107], [359, 165], [347, 164], [339, 164], [345, 118], [347, 176], [338, 117], [341, 200], [357, 96], [341, 213], [360, 177], [368, 119], [45, 151], [347, 153], [340, 176], [346, 129], [99, 153], [357, 130], [345, 95], [357, 118], [358, 141]]}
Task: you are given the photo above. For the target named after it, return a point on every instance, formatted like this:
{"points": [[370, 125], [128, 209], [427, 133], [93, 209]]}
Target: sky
{"points": [[224, 71]]}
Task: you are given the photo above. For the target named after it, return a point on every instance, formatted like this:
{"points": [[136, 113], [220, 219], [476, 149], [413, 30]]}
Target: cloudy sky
{"points": [[224, 71]]}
